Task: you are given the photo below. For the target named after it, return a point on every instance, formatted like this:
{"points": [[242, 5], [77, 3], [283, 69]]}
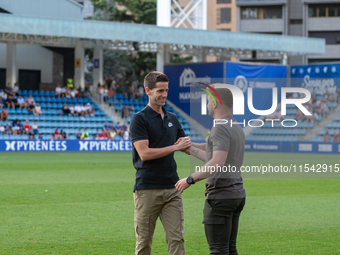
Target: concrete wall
{"points": [[31, 57]]}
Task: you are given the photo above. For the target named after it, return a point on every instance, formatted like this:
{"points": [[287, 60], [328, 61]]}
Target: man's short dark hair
{"points": [[225, 95], [153, 77]]}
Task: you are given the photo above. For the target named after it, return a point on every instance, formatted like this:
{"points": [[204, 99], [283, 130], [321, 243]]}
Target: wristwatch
{"points": [[190, 180]]}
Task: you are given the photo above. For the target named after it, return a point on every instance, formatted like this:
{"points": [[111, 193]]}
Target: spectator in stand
{"points": [[78, 110], [37, 110], [125, 112], [63, 91], [84, 135], [336, 137], [9, 102], [119, 129], [16, 128], [8, 130], [324, 108], [30, 108], [97, 135], [78, 134], [106, 94], [316, 116], [126, 135], [27, 128], [106, 127], [40, 136], [85, 110], [15, 101], [3, 96], [30, 100], [103, 134], [15, 89], [101, 93], [68, 93], [72, 109], [136, 94], [112, 134], [74, 93], [63, 134], [66, 110], [21, 102], [131, 108], [58, 91], [35, 128], [2, 130], [111, 94], [56, 134], [89, 109], [327, 137], [112, 127], [3, 113]]}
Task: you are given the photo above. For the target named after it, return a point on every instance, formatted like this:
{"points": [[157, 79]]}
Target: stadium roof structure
{"points": [[126, 36]]}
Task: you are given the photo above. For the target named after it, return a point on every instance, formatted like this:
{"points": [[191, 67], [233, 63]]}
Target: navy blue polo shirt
{"points": [[148, 124]]}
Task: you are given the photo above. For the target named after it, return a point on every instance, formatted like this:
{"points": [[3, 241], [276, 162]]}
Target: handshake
{"points": [[183, 144]]}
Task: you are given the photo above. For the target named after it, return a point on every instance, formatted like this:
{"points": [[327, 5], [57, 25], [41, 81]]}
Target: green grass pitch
{"points": [[82, 203]]}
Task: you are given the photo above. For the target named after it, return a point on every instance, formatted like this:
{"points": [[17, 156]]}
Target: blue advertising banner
{"points": [[184, 76], [300, 147], [316, 147], [261, 78], [125, 145], [64, 145], [316, 78]]}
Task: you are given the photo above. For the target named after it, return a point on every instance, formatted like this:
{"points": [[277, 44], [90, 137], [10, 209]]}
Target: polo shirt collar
{"points": [[154, 113]]}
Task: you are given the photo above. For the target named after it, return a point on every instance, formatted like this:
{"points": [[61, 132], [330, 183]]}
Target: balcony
{"points": [[261, 25]]}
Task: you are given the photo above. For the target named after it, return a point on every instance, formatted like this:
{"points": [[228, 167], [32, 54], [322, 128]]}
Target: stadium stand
{"points": [[320, 105], [333, 130], [53, 117]]}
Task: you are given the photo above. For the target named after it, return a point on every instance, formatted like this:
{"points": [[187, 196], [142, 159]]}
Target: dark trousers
{"points": [[221, 219]]}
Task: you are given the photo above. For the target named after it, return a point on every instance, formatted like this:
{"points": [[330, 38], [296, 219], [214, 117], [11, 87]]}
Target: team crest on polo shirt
{"points": [[170, 124]]}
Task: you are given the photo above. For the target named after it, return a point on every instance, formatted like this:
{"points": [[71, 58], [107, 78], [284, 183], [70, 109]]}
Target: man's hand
{"points": [[182, 185], [183, 143], [187, 150]]}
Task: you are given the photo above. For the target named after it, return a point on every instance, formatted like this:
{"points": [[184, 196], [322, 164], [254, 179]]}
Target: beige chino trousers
{"points": [[167, 204]]}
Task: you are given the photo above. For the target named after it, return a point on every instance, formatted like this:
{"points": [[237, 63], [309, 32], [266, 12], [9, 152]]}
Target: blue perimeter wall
{"points": [[125, 145]]}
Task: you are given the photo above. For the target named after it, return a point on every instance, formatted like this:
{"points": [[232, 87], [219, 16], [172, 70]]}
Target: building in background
{"points": [[307, 18], [221, 16]]}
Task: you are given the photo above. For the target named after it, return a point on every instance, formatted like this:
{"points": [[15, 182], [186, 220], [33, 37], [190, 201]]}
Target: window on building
{"points": [[225, 15], [295, 21], [322, 11], [263, 12], [225, 29], [223, 1], [332, 37]]}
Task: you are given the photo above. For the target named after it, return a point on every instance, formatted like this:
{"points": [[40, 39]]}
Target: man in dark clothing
{"points": [[154, 132], [225, 196]]}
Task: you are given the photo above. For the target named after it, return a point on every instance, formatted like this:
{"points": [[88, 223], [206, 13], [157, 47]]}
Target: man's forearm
{"points": [[155, 153], [197, 153], [200, 146]]}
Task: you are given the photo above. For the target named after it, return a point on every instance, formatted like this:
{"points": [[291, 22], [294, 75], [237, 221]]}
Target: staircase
{"points": [[110, 111]]}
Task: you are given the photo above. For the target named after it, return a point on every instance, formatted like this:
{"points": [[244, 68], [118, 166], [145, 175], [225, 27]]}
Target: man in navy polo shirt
{"points": [[154, 132]]}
